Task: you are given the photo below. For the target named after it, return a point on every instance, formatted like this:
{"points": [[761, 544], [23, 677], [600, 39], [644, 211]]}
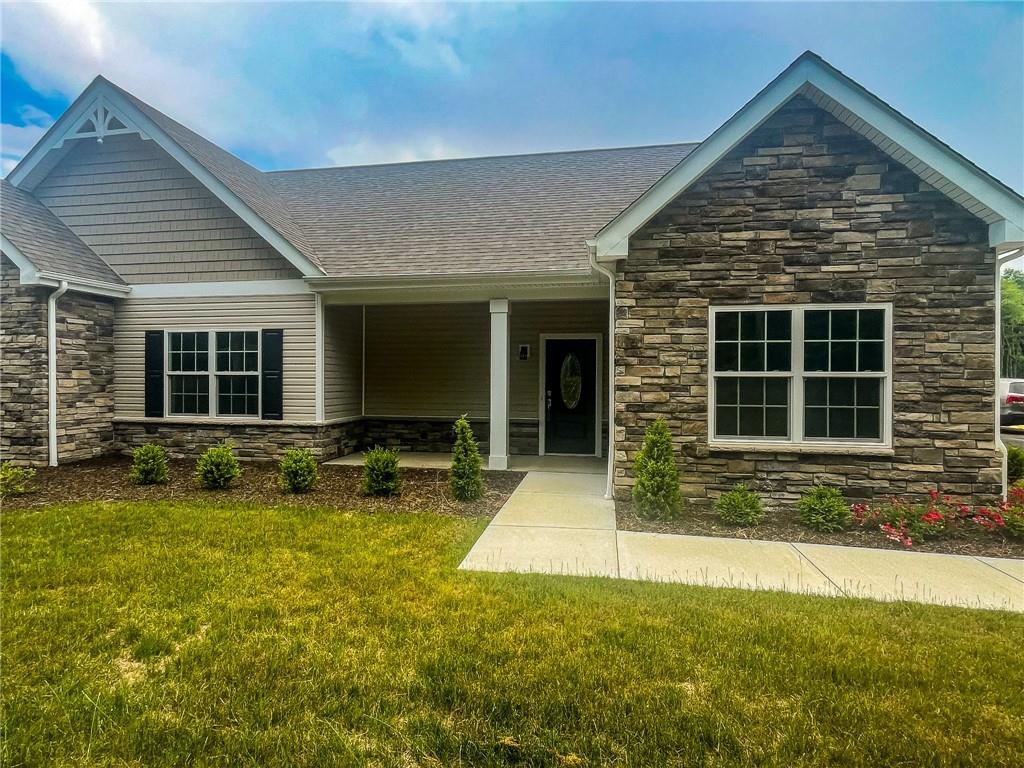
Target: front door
{"points": [[570, 402]]}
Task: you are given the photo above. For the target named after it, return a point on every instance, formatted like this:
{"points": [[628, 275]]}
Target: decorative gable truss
{"points": [[100, 119], [812, 77]]}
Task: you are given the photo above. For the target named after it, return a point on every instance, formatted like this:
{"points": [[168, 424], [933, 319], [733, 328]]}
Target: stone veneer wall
{"points": [[807, 211], [85, 367], [85, 376], [23, 416]]}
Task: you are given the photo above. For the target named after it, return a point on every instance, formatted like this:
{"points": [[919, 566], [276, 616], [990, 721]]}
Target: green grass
{"points": [[162, 634]]}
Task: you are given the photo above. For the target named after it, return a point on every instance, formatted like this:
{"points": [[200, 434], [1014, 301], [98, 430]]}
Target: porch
{"points": [[584, 465], [530, 375]]}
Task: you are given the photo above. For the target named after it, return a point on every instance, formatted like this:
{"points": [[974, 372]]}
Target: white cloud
{"points": [[370, 152], [16, 140], [32, 115]]}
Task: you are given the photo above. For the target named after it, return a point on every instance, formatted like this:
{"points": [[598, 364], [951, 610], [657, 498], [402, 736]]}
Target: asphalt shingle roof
{"points": [[522, 213], [45, 240]]}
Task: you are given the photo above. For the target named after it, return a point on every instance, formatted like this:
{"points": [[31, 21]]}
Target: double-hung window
{"points": [[800, 374], [213, 373]]}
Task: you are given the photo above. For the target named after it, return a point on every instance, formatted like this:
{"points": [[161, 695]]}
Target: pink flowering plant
{"points": [[941, 516]]}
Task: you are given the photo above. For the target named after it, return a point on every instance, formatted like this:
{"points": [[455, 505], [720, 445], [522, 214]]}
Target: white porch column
{"points": [[498, 458]]}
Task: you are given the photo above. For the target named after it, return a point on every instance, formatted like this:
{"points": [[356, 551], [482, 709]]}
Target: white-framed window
{"points": [[213, 373], [801, 374]]}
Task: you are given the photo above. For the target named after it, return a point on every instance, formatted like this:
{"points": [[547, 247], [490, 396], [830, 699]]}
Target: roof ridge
{"points": [[486, 157]]}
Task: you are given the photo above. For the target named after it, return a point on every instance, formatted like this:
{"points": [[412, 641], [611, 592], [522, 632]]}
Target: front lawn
{"points": [[148, 633]]}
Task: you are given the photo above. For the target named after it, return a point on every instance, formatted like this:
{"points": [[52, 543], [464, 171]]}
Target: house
{"points": [[807, 295]]}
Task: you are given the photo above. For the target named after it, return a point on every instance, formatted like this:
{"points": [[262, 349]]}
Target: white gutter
{"points": [[1000, 445], [51, 368], [611, 366]]}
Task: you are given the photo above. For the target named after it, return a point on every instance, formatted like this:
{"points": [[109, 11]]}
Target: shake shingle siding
{"points": [[150, 220]]}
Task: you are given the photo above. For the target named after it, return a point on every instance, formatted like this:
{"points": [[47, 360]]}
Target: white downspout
{"points": [[51, 368], [1000, 445], [611, 369]]}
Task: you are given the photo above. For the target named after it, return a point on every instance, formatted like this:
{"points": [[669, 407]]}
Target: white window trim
{"points": [[212, 373], [795, 376]]}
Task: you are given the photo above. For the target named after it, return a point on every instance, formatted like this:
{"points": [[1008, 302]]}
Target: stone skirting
{"points": [[806, 211], [252, 442]]}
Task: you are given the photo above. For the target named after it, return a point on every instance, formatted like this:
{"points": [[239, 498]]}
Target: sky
{"points": [[287, 85]]}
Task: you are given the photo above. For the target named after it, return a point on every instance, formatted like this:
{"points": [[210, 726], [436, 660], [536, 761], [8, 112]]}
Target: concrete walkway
{"points": [[560, 523]]}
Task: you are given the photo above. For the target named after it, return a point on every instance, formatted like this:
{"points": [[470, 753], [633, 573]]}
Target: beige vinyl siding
{"points": [[527, 321], [427, 360], [296, 314], [343, 362], [434, 360], [150, 219]]}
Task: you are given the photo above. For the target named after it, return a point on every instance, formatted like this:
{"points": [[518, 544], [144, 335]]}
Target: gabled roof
{"points": [[814, 78], [40, 243], [237, 184], [520, 213]]}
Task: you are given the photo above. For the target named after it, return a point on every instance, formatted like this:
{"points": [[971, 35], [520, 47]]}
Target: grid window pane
{"points": [[843, 408], [844, 340], [188, 351], [238, 395], [751, 406], [753, 341], [238, 351], [190, 395]]}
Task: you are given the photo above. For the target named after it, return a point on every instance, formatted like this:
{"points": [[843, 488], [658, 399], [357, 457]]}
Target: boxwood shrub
{"points": [[149, 465], [217, 467], [380, 472], [823, 509], [298, 471], [740, 506]]}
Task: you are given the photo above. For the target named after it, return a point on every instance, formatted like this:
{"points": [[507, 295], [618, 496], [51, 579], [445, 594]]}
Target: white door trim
{"points": [[541, 410]]}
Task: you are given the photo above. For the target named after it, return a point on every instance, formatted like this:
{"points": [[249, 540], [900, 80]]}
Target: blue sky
{"points": [[293, 84]]}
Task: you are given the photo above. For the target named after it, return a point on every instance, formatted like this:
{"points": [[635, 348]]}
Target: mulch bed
{"points": [[423, 490], [783, 525]]}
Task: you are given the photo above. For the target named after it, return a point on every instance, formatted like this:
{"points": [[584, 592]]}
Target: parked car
{"points": [[1011, 404]]}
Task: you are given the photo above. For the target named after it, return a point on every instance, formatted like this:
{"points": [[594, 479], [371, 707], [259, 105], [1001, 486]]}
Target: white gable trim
{"points": [[100, 93], [29, 275], [999, 204]]}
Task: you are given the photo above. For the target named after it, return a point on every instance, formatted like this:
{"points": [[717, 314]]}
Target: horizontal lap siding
{"points": [[427, 360], [295, 314], [151, 220], [343, 362], [528, 320]]}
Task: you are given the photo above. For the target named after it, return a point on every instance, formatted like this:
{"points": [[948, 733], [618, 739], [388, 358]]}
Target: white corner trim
{"points": [[612, 241], [51, 371], [101, 93], [499, 385], [224, 288], [318, 308]]}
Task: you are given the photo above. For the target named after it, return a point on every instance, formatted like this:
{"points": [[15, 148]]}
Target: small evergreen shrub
{"points": [[297, 471], [14, 481], [380, 472], [217, 467], [1014, 463], [466, 479], [656, 492], [823, 509], [149, 465], [740, 506]]}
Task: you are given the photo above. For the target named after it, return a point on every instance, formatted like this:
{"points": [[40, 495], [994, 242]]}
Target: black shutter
{"points": [[155, 373], [272, 345]]}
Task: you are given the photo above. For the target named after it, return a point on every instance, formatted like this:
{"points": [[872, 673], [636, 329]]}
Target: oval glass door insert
{"points": [[571, 381]]}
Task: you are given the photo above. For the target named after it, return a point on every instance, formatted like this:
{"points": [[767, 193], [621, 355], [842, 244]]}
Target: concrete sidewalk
{"points": [[560, 523]]}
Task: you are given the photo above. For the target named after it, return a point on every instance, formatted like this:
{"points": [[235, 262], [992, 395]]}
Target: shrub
{"points": [[380, 472], [217, 467], [298, 471], [823, 509], [149, 465], [656, 491], [465, 479], [1013, 511], [14, 481], [740, 506], [1014, 463]]}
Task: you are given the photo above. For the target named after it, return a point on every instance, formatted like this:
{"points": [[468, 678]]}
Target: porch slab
{"points": [[713, 562], [564, 483], [590, 465], [922, 577], [562, 551], [553, 510]]}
